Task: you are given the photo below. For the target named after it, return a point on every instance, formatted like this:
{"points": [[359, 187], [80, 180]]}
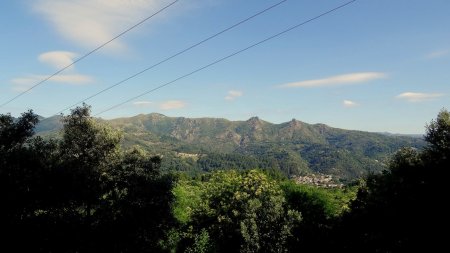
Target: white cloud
{"points": [[172, 104], [419, 97], [346, 79], [91, 23], [24, 83], [143, 103], [57, 59], [233, 94], [438, 54], [349, 103]]}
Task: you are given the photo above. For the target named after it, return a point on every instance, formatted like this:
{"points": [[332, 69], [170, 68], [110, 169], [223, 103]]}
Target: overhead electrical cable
{"points": [[226, 57], [174, 55], [88, 53]]}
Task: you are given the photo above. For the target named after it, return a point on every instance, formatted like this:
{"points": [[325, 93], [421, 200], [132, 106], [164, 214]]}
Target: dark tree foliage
{"points": [[14, 134], [288, 163], [83, 193], [80, 193], [21, 172], [315, 224], [438, 137], [136, 208], [403, 209], [320, 207]]}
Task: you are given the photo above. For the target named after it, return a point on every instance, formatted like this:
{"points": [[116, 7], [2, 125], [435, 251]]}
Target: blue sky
{"points": [[374, 65]]}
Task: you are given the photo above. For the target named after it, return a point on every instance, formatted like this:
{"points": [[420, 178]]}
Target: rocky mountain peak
{"points": [[295, 123], [254, 119], [155, 115], [255, 123]]}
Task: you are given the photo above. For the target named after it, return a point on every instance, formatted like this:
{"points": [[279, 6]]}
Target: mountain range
{"points": [[294, 147]]}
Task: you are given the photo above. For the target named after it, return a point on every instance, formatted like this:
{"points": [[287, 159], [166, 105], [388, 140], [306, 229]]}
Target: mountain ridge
{"points": [[294, 147]]}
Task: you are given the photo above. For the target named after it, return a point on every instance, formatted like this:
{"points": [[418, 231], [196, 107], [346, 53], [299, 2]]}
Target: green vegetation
{"points": [[401, 209], [294, 147], [236, 211], [82, 192]]}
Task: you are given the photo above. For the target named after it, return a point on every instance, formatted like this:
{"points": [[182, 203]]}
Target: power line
{"points": [[226, 57], [89, 53], [173, 56]]}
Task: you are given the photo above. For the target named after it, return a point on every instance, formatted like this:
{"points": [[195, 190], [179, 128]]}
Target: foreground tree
{"points": [[438, 135], [136, 208], [239, 212], [79, 193], [320, 207], [401, 209], [22, 176]]}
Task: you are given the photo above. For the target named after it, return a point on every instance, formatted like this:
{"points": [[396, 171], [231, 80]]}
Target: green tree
{"points": [[123, 198], [15, 133], [87, 151], [80, 193], [320, 207], [26, 181], [136, 208], [14, 162], [438, 136], [243, 212], [400, 210]]}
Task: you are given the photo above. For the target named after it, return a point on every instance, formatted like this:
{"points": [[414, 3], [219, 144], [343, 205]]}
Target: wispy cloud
{"points": [[438, 54], [419, 97], [172, 104], [352, 78], [90, 23], [24, 83], [57, 59], [349, 103], [233, 94], [143, 103]]}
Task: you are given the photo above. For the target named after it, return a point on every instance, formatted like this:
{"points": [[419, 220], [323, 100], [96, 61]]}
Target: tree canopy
{"points": [[400, 210], [84, 192], [81, 192]]}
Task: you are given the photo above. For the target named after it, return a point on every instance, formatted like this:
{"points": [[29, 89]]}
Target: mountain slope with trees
{"points": [[295, 147], [83, 192]]}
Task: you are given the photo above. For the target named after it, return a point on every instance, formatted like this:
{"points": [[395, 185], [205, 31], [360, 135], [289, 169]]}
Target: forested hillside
{"points": [[295, 147], [83, 192]]}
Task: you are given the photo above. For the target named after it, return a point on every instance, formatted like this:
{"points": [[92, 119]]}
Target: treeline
{"points": [[80, 193], [313, 159], [84, 193], [283, 161]]}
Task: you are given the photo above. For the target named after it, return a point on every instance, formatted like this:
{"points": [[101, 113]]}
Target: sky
{"points": [[379, 66]]}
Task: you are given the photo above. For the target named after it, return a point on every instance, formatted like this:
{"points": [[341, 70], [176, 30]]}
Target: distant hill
{"points": [[48, 125], [293, 147]]}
